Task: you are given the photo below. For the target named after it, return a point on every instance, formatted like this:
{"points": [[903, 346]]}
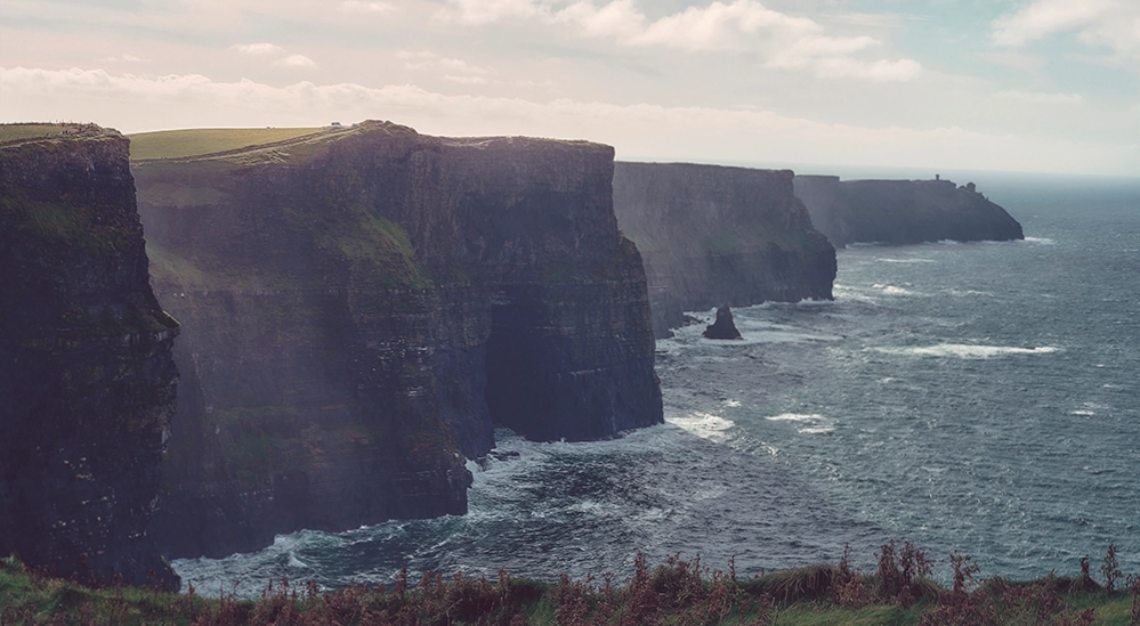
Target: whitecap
{"points": [[1041, 241], [732, 404], [796, 417], [1083, 412], [965, 351], [704, 425], [813, 423], [968, 292], [914, 260], [894, 290]]}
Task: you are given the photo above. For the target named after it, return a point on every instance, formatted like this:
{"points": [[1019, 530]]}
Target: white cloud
{"points": [[365, 7], [638, 130], [453, 70], [296, 60], [878, 71], [1036, 97], [1110, 24], [259, 49], [124, 58], [486, 11], [783, 41]]}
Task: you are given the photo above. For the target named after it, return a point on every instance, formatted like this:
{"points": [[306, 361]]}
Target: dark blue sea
{"points": [[981, 398]]}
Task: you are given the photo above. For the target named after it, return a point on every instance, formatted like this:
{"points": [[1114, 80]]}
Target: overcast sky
{"points": [[1030, 85]]}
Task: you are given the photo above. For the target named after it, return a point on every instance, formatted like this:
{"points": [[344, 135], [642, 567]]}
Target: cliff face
{"points": [[361, 307], [87, 380], [720, 236], [902, 211]]}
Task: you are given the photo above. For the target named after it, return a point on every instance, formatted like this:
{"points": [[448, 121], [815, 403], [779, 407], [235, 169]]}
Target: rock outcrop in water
{"points": [[361, 306], [713, 235], [902, 211], [87, 380], [724, 327]]}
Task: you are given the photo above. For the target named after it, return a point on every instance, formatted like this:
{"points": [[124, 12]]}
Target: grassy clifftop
{"points": [[177, 144]]}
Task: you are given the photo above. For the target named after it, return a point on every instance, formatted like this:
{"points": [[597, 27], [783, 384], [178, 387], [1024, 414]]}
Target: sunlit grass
{"points": [[174, 144]]}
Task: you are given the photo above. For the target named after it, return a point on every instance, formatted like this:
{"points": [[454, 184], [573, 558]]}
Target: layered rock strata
{"points": [[713, 236], [902, 211], [87, 380], [362, 306]]}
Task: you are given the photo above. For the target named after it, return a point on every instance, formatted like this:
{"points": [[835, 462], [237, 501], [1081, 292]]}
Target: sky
{"points": [[1049, 86]]}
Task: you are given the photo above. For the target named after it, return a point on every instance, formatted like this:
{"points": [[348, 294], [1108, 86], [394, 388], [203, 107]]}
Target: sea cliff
{"points": [[363, 305], [902, 211], [720, 236], [87, 380]]}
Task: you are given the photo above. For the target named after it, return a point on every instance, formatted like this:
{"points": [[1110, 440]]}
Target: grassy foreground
{"points": [[678, 592]]}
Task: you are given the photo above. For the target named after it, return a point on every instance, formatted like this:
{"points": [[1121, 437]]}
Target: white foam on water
{"points": [[1083, 412], [966, 351], [704, 425], [849, 293], [894, 290], [732, 404], [968, 292], [796, 417], [813, 423], [914, 260], [1041, 241]]}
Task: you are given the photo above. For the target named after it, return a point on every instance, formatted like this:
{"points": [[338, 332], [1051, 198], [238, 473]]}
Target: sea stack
{"points": [[724, 327], [713, 235]]}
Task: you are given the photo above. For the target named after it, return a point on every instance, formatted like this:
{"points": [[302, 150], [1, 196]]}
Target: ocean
{"points": [[978, 398]]}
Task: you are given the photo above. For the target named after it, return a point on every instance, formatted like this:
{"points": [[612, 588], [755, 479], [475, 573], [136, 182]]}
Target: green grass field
{"points": [[177, 144], [22, 132]]}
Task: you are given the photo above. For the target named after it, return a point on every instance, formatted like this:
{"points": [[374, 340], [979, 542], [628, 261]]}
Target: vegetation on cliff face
{"points": [[87, 380], [676, 593], [360, 305]]}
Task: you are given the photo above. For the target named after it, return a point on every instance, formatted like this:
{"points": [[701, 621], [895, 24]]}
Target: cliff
{"points": [[720, 236], [87, 380], [902, 211], [360, 308]]}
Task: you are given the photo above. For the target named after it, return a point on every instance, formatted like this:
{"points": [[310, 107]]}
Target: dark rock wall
{"points": [[87, 380], [902, 211], [717, 236], [360, 310]]}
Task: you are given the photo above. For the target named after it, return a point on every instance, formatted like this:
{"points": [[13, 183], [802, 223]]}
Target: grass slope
{"points": [[677, 593], [176, 144]]}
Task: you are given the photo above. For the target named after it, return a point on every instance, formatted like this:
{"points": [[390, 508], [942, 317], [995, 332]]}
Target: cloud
{"points": [[638, 130], [365, 7], [296, 60], [124, 58], [783, 41], [1035, 97], [878, 71], [283, 58], [259, 49], [1110, 24], [487, 11], [453, 70]]}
